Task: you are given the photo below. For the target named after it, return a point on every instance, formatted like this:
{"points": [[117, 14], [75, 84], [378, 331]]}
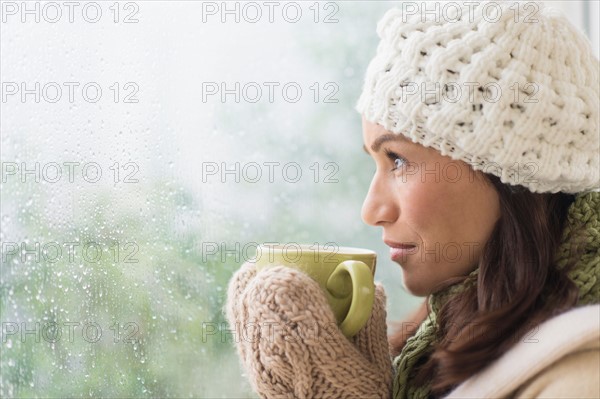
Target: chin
{"points": [[414, 288]]}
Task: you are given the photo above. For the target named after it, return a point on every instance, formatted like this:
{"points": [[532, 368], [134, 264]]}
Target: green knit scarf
{"points": [[583, 220]]}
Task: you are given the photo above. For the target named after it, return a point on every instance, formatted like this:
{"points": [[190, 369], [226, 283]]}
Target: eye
{"points": [[399, 161]]}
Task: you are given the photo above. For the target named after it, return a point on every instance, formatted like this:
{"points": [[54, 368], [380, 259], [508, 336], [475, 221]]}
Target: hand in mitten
{"points": [[290, 345]]}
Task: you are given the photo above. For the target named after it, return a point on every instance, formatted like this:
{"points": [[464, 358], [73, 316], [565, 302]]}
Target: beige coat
{"points": [[559, 359]]}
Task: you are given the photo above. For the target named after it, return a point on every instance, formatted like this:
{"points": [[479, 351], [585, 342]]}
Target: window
{"points": [[145, 147]]}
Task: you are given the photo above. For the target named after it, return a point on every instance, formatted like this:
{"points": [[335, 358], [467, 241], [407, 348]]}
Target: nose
{"points": [[379, 206]]}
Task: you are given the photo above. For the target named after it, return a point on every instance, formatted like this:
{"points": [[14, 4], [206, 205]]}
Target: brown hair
{"points": [[516, 274]]}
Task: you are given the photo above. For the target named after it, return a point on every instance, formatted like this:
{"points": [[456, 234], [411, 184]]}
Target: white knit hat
{"points": [[512, 91]]}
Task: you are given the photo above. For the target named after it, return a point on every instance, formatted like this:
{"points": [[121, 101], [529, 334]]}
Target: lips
{"points": [[399, 250]]}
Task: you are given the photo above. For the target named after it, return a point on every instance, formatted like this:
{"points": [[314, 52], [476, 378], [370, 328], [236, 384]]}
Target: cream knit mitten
{"points": [[290, 345]]}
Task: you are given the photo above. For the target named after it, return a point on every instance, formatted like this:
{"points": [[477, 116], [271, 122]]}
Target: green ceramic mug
{"points": [[344, 273]]}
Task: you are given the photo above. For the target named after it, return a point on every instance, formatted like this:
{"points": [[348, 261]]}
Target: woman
{"points": [[489, 201]]}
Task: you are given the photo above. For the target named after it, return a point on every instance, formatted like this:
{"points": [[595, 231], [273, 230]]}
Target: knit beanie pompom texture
{"points": [[511, 88]]}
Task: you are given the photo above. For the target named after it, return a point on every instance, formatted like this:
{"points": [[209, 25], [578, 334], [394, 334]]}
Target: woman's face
{"points": [[420, 197]]}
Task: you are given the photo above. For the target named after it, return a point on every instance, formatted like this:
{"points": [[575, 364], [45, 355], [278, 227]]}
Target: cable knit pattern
{"points": [[517, 99], [290, 345], [582, 235]]}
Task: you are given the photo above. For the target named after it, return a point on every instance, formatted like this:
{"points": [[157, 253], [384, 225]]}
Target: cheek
{"points": [[440, 212], [423, 206], [484, 211]]}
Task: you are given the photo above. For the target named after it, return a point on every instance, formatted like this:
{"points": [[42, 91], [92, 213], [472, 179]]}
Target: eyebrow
{"points": [[382, 139]]}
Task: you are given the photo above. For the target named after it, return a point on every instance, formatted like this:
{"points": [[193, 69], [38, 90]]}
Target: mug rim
{"points": [[341, 250]]}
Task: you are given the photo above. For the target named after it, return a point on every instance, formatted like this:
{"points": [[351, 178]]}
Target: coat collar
{"points": [[569, 332]]}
